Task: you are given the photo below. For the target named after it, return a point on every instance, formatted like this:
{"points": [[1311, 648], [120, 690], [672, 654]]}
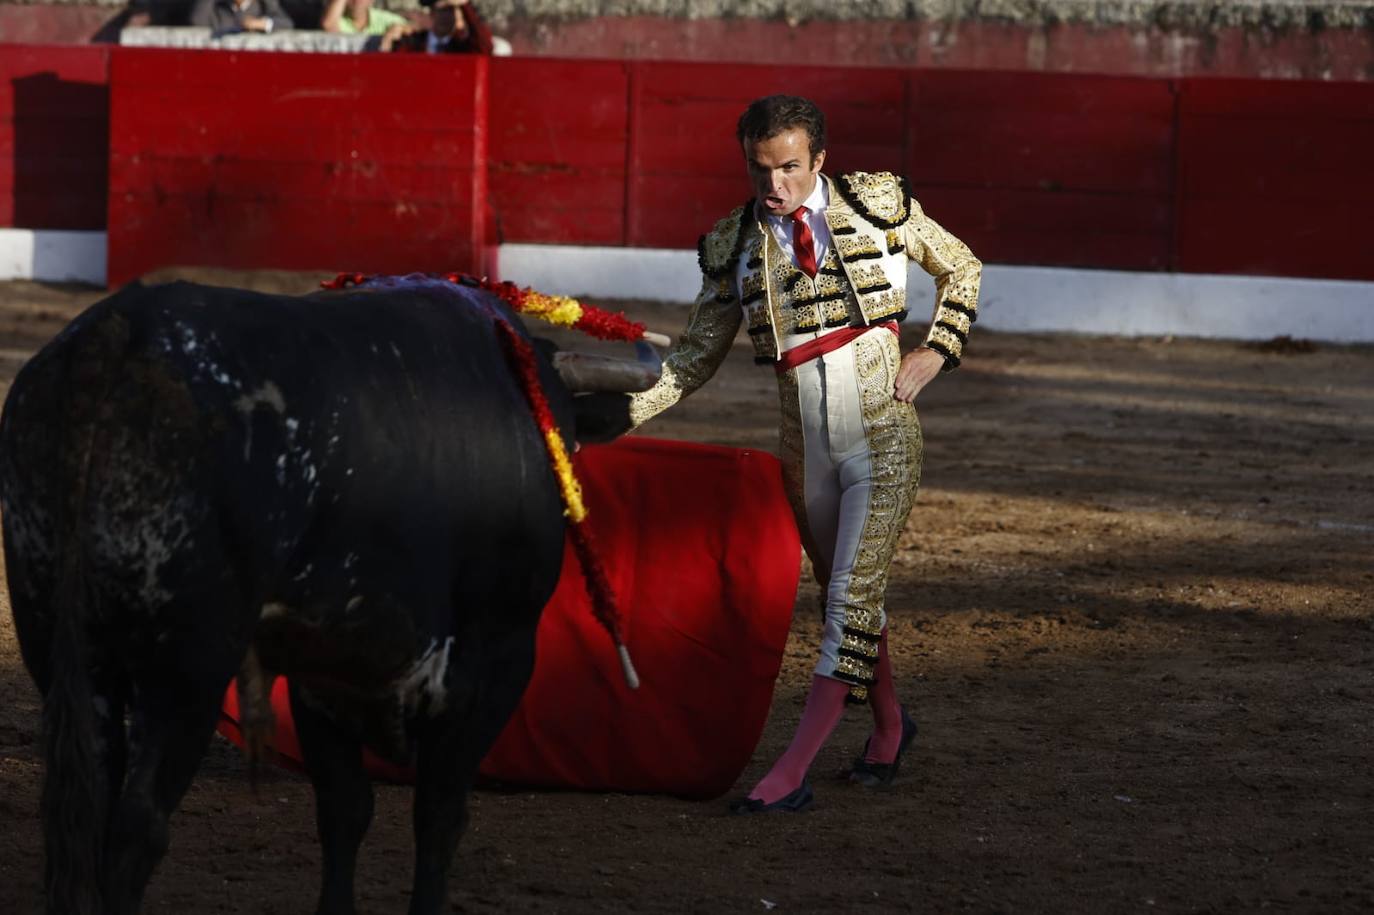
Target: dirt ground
{"points": [[1131, 611]]}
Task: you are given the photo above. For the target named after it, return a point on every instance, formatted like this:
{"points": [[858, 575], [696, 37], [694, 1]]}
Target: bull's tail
{"points": [[76, 789], [77, 785]]}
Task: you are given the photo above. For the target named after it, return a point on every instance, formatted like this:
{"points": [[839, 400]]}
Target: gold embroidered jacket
{"points": [[876, 227]]}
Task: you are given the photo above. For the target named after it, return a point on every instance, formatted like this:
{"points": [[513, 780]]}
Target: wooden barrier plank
{"points": [[1275, 178], [1059, 169], [54, 136], [1067, 229], [687, 163], [556, 169], [1054, 169], [339, 163]]}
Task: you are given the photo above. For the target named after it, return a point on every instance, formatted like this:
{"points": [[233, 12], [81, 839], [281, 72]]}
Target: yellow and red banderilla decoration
{"points": [[566, 312]]}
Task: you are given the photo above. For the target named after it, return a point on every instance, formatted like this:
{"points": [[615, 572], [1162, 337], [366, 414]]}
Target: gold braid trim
{"points": [[718, 251], [879, 197]]}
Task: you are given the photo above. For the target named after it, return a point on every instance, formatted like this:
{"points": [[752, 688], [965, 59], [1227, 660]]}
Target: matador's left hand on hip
{"points": [[918, 367]]}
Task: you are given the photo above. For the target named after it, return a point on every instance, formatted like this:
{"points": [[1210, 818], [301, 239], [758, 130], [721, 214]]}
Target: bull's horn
{"points": [[658, 339], [585, 373]]}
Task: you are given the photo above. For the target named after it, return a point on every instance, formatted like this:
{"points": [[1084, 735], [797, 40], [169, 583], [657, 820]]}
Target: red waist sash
{"points": [[822, 345]]}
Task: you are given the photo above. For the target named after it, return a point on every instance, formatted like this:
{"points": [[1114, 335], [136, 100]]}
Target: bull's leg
{"points": [[343, 800], [172, 720], [450, 750]]}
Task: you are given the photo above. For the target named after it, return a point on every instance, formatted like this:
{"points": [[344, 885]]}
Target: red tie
{"points": [[803, 243]]}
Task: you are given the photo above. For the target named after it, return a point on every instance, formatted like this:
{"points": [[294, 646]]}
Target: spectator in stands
{"points": [[360, 17], [454, 28], [222, 16]]}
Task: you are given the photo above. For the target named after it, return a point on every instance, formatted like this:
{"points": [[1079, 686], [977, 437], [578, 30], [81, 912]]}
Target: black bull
{"points": [[348, 488]]}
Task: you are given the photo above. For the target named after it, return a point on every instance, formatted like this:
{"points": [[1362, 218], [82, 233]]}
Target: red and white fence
{"points": [[389, 163]]}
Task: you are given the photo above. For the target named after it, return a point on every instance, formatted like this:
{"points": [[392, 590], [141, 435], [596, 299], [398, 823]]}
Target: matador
{"points": [[816, 267]]}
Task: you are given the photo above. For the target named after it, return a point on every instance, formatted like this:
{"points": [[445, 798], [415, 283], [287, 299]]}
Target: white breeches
{"points": [[859, 463]]}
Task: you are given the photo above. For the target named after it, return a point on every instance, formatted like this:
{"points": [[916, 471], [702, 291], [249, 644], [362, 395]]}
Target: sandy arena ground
{"points": [[1132, 611]]}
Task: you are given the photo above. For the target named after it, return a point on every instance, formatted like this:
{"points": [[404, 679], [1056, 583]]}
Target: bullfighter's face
{"points": [[782, 170]]}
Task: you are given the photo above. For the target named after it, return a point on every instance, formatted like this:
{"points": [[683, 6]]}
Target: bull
{"points": [[347, 488]]}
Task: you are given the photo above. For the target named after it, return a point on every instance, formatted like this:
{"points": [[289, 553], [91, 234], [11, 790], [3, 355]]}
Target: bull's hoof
{"points": [[796, 802]]}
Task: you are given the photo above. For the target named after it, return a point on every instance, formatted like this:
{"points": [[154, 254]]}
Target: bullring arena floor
{"points": [[1132, 611]]}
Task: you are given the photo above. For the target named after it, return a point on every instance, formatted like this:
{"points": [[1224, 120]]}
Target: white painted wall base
{"points": [[1013, 298], [52, 255]]}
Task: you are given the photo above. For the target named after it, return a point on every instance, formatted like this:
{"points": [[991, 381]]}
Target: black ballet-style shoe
{"points": [[880, 775], [795, 802]]}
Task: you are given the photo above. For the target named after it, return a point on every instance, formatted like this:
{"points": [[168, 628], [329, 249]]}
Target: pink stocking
{"points": [[824, 706], [887, 711]]}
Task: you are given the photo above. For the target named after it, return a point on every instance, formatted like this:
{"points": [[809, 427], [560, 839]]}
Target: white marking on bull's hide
{"points": [[354, 603], [425, 680], [304, 573], [395, 350], [350, 560], [267, 395], [189, 343], [281, 470], [272, 610], [157, 541]]}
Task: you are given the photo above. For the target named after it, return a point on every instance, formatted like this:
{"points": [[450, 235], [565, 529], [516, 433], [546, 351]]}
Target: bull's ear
{"points": [[601, 417]]}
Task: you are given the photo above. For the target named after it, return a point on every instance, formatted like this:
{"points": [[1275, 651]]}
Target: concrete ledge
{"points": [[310, 40], [52, 255]]}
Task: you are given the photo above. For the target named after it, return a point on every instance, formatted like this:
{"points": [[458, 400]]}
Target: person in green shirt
{"points": [[353, 17]]}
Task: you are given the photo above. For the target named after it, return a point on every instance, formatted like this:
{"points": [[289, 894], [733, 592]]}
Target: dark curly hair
{"points": [[774, 114]]}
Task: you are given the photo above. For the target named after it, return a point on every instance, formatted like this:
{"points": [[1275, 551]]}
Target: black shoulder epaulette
{"points": [[718, 251]]}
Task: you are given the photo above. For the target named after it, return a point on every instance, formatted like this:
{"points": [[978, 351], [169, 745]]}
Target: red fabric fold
{"points": [[703, 555]]}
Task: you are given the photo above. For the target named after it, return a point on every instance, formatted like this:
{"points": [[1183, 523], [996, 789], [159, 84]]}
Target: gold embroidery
{"points": [[884, 304], [954, 317], [857, 247], [752, 285], [894, 442], [869, 277], [717, 251], [756, 316], [864, 646], [700, 350], [878, 196], [828, 284], [836, 312], [946, 338], [857, 674], [839, 225], [957, 272]]}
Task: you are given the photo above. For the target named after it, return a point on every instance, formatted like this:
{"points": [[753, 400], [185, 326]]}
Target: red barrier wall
{"points": [[329, 162], [1035, 168], [1207, 175], [372, 163], [54, 136], [1276, 178]]}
